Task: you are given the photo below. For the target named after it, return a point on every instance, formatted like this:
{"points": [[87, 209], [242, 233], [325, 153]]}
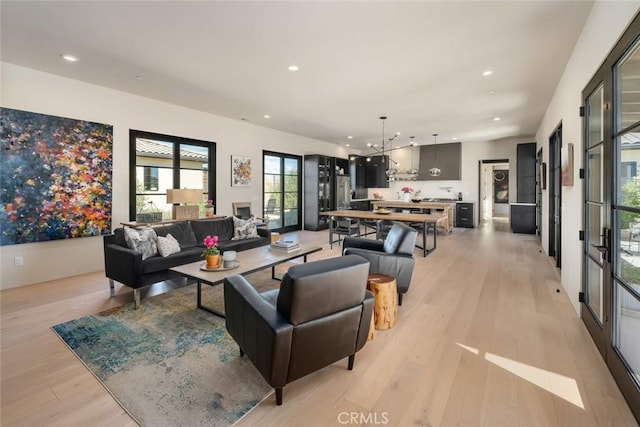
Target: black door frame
{"points": [[541, 179], [282, 156], [555, 196], [614, 360]]}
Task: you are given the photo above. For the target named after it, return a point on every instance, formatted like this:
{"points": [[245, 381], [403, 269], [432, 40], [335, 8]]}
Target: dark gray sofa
{"points": [[126, 266]]}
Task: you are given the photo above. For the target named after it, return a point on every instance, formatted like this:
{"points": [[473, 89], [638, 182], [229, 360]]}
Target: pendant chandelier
{"points": [[435, 171], [388, 147]]}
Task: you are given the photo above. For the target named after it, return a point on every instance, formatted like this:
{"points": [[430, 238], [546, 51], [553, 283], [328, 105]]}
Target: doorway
{"points": [[493, 190], [282, 191], [555, 196]]}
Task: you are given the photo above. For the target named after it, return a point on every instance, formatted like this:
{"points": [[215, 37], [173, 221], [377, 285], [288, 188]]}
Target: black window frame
{"points": [[177, 142]]}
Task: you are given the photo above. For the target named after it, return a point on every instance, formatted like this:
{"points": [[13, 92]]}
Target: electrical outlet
{"points": [[18, 261]]}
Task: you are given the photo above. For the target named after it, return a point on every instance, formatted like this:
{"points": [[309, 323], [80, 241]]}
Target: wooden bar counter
{"points": [[449, 209]]}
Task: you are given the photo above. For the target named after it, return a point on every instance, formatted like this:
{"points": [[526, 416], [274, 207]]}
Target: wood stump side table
{"points": [[385, 306]]}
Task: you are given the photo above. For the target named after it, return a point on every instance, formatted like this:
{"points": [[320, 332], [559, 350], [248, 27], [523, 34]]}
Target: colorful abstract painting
{"points": [[56, 177], [240, 171]]}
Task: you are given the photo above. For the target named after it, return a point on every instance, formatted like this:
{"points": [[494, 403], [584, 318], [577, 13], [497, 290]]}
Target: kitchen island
{"points": [[449, 208]]}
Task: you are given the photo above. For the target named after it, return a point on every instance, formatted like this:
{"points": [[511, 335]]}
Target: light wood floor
{"points": [[483, 339]]}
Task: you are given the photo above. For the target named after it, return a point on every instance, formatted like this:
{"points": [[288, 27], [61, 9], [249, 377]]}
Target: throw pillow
{"points": [[168, 245], [142, 240], [244, 228]]}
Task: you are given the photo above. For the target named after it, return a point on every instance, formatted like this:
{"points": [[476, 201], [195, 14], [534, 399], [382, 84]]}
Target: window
{"points": [[150, 178], [161, 162]]}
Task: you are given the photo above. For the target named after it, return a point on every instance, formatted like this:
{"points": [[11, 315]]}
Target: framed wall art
{"points": [[56, 177], [240, 171], [566, 165], [501, 186]]}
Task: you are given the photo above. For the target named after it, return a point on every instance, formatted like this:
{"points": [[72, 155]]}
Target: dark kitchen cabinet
{"points": [[523, 218], [361, 205], [526, 173], [319, 181], [357, 172], [523, 213], [464, 215], [376, 172]]}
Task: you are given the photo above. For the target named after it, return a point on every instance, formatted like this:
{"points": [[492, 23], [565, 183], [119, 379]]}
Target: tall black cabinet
{"points": [[523, 213], [319, 181]]}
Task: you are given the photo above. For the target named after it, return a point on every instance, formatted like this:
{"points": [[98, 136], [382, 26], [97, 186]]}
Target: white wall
{"points": [[39, 92], [605, 24]]}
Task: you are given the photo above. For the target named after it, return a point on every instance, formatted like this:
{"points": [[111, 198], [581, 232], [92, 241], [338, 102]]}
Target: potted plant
{"points": [[209, 208], [211, 251]]}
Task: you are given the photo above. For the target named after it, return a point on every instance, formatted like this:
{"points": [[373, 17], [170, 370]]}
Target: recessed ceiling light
{"points": [[347, 145], [139, 78], [496, 119], [293, 68], [69, 57], [492, 91], [455, 138], [368, 144], [266, 116], [350, 137], [487, 73]]}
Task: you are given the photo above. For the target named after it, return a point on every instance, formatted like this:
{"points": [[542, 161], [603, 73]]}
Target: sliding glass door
{"points": [[282, 191]]}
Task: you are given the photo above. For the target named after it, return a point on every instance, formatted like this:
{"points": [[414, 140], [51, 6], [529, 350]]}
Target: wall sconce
{"points": [[176, 196]]}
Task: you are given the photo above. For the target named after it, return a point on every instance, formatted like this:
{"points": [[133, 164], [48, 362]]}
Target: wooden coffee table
{"points": [[251, 260]]}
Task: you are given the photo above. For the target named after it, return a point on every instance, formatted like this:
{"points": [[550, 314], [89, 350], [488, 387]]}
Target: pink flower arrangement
{"points": [[406, 189], [209, 204], [211, 246]]}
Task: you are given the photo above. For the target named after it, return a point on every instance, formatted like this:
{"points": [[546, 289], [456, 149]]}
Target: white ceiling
{"points": [[419, 63]]}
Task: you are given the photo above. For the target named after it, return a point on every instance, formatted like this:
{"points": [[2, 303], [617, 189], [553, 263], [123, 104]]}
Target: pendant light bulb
{"points": [[435, 171]]}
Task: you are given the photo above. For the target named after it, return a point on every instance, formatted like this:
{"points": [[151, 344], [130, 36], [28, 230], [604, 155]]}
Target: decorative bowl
{"points": [[414, 200]]}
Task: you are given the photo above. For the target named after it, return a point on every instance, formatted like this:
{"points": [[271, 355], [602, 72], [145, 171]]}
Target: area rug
{"points": [[169, 363]]}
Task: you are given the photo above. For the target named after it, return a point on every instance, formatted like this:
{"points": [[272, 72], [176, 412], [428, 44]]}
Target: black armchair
{"points": [[393, 256], [320, 314]]}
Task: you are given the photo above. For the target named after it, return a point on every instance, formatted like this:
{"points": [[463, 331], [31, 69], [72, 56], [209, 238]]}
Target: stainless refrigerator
{"points": [[343, 192]]}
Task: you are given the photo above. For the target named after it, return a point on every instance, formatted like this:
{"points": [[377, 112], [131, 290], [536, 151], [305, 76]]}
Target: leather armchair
{"points": [[393, 256], [321, 314]]}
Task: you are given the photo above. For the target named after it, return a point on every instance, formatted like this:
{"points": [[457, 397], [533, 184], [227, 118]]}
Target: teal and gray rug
{"points": [[168, 363]]}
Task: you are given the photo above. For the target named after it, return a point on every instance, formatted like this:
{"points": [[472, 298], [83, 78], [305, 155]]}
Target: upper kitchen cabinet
{"points": [[446, 157], [376, 172]]}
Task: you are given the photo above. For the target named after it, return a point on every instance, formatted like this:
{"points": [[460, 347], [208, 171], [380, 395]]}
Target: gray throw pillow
{"points": [[168, 245], [244, 228], [142, 240]]}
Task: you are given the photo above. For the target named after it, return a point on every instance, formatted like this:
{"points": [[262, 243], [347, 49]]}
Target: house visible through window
{"points": [[150, 178], [627, 171]]}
